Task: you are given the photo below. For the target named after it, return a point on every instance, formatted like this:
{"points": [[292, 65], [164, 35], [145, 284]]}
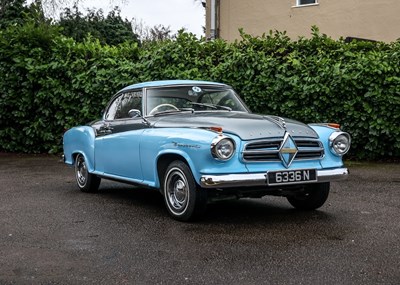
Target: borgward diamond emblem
{"points": [[288, 150]]}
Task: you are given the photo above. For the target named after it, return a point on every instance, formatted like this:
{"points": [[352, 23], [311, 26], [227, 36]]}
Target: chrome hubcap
{"points": [[176, 189], [81, 171]]}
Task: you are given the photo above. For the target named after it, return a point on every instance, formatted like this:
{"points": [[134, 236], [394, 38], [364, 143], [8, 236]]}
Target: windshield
{"points": [[193, 98]]}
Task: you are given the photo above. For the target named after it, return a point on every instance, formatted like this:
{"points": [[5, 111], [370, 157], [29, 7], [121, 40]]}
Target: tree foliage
{"points": [[149, 34], [110, 29], [17, 12]]}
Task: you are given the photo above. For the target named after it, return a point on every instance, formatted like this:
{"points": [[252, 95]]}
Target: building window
{"points": [[306, 2]]}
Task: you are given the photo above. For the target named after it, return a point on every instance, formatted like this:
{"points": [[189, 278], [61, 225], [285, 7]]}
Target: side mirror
{"points": [[134, 113]]}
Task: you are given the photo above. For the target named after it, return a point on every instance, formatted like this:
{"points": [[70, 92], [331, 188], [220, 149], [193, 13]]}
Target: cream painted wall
{"points": [[371, 19]]}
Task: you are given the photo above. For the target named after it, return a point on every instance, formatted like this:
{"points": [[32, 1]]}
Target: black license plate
{"points": [[291, 176]]}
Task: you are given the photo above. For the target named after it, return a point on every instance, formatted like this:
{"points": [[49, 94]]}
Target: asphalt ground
{"points": [[51, 233]]}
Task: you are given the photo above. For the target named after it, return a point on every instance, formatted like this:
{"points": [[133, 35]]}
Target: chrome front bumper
{"points": [[259, 179]]}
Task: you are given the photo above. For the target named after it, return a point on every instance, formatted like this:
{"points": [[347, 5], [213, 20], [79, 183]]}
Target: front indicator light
{"points": [[222, 148], [340, 143]]}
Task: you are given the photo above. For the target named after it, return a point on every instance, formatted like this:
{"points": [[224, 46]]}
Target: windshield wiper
{"points": [[212, 106], [174, 111]]}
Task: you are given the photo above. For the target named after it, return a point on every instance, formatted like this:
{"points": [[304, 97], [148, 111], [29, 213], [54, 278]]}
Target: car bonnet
{"points": [[246, 126]]}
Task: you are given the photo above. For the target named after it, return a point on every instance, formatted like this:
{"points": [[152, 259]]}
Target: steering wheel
{"points": [[155, 109], [226, 101]]}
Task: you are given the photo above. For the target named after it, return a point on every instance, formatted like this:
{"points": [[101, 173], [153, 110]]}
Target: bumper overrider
{"points": [[260, 179]]}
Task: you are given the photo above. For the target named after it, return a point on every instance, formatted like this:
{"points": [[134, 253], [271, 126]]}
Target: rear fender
{"points": [[79, 140]]}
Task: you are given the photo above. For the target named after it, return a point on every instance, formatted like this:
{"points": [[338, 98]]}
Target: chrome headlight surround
{"points": [[339, 143], [223, 147]]}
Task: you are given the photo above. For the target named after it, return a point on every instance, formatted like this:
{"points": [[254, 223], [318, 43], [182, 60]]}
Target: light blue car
{"points": [[196, 142]]}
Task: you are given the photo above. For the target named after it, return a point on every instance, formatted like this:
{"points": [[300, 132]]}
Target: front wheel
{"points": [[182, 196], [313, 197], [86, 181]]}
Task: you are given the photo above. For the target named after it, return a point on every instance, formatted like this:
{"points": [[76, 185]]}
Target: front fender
{"points": [[180, 153], [193, 145], [330, 160]]}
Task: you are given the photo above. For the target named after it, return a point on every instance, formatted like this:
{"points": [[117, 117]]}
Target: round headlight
{"points": [[340, 143], [222, 148]]}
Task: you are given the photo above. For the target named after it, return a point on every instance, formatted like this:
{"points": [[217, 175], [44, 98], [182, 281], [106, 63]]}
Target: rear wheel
{"points": [[313, 197], [86, 181], [184, 199]]}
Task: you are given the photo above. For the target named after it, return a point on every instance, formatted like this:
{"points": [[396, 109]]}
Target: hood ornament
{"points": [[282, 121], [279, 121]]}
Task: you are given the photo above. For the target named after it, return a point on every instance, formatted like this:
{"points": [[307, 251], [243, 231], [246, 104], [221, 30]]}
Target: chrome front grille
{"points": [[268, 150]]}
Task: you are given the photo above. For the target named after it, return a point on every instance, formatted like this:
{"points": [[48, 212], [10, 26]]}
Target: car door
{"points": [[117, 144]]}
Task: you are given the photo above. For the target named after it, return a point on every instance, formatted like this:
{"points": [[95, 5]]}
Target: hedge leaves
{"points": [[49, 83]]}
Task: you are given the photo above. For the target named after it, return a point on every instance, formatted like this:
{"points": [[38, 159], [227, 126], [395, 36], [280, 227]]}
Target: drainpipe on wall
{"points": [[213, 18]]}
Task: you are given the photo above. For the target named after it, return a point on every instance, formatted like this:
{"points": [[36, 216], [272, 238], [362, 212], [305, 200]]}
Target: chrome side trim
{"points": [[259, 179]]}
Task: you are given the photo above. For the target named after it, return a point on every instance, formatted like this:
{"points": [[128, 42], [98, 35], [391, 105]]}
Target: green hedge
{"points": [[50, 83]]}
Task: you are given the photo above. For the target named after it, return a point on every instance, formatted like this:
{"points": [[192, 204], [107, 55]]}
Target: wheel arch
{"points": [[166, 159], [89, 162]]}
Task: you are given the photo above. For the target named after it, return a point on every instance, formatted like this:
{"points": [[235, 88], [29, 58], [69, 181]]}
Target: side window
{"points": [[112, 110], [123, 104], [129, 101], [305, 2]]}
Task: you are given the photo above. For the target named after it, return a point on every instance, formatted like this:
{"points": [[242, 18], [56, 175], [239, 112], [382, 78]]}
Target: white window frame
{"points": [[305, 5]]}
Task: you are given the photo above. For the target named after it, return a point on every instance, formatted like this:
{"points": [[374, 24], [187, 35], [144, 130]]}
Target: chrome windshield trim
{"points": [[259, 179]]}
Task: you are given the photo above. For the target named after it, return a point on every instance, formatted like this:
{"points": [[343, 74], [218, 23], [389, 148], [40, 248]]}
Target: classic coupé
{"points": [[196, 141]]}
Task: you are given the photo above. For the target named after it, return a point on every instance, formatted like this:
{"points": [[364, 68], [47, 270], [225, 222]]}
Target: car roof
{"points": [[169, 83]]}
